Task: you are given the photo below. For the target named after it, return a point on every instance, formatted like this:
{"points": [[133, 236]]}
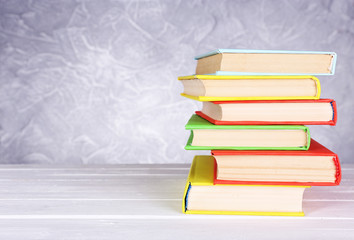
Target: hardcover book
{"points": [[283, 112], [207, 136], [201, 196], [229, 88], [266, 62], [316, 167]]}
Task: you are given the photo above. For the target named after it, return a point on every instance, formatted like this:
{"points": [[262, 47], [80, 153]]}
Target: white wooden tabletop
{"points": [[144, 202]]}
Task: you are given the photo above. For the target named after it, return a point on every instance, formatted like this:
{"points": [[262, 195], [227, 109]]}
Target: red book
{"points": [[318, 164], [271, 112]]}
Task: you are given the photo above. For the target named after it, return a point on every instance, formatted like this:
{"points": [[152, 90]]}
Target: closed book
{"points": [[266, 62], [235, 88], [201, 196], [316, 167], [283, 112], [207, 136]]}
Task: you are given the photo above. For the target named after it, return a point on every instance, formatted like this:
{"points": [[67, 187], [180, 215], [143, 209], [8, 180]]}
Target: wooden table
{"points": [[144, 202]]}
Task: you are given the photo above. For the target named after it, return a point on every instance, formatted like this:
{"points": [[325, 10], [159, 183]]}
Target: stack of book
{"points": [[255, 106]]}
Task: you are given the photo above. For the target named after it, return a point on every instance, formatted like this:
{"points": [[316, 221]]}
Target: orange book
{"points": [[271, 112], [316, 167]]}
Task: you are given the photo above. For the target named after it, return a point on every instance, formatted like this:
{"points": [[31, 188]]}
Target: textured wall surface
{"points": [[96, 81]]}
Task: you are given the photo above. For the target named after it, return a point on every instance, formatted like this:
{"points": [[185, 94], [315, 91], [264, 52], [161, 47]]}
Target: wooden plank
{"points": [[149, 189], [142, 208], [134, 202], [246, 228], [140, 187], [92, 167]]}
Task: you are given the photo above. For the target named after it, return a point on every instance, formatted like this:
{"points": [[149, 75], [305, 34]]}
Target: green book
{"points": [[207, 136]]}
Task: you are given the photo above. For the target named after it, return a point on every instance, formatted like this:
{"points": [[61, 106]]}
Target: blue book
{"points": [[265, 62]]}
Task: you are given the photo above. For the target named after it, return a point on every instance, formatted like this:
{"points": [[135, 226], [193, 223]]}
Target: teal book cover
{"points": [[286, 65]]}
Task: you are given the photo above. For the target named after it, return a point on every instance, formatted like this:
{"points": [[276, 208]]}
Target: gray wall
{"points": [[96, 81]]}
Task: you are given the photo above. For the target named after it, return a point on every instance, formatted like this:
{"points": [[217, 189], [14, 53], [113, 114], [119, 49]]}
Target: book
{"points": [[316, 167], [201, 196], [207, 136], [266, 62], [229, 88], [298, 112]]}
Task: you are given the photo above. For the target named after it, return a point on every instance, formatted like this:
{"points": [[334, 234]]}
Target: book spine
{"points": [[338, 169]]}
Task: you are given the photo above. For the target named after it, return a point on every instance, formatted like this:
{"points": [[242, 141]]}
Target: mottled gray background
{"points": [[96, 81]]}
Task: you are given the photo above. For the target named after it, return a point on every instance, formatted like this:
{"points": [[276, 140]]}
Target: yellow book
{"points": [[201, 196], [233, 88]]}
